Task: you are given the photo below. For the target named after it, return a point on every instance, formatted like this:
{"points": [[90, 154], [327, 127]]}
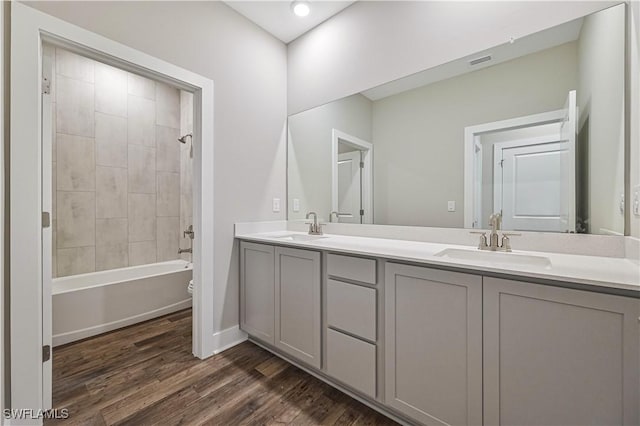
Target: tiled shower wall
{"points": [[116, 167]]}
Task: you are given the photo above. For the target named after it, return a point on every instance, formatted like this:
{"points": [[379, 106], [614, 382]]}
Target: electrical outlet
{"points": [[636, 200], [296, 205], [276, 205], [621, 204], [451, 206]]}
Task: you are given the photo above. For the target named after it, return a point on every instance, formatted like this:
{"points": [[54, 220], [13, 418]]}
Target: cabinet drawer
{"points": [[352, 268], [352, 361], [352, 308]]}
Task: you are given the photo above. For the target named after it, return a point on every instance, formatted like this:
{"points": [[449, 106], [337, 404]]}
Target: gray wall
{"points": [[418, 135], [116, 186], [212, 40], [601, 108], [371, 43], [310, 150]]}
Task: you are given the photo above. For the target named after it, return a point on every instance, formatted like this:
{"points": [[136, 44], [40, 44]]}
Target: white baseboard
{"points": [[72, 336], [228, 338]]}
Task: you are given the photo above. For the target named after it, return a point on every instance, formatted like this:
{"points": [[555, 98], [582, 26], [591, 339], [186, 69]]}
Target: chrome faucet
{"points": [[495, 242], [315, 228], [181, 250], [189, 232]]}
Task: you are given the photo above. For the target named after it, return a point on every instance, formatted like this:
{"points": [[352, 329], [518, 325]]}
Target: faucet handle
{"points": [[506, 242], [482, 244]]}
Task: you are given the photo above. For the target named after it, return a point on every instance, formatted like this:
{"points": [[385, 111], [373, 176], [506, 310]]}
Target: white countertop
{"points": [[610, 272]]}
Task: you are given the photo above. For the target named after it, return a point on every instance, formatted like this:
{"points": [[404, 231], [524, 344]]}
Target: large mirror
{"points": [[533, 128]]}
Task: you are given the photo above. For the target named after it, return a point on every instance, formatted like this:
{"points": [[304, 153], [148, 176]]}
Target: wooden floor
{"points": [[145, 374]]}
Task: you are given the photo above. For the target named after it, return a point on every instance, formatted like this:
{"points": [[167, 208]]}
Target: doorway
{"points": [[30, 210], [352, 179]]}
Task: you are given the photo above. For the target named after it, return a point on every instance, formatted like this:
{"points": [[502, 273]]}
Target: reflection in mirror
{"points": [[533, 128]]}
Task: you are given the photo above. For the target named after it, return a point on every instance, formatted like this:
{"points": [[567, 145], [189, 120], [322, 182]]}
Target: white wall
{"points": [[601, 110], [371, 43], [418, 135], [212, 40], [310, 150], [3, 309]]}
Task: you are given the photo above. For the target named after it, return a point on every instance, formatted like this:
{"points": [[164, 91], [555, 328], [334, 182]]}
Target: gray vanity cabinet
{"points": [[257, 283], [433, 345], [559, 356], [297, 304]]}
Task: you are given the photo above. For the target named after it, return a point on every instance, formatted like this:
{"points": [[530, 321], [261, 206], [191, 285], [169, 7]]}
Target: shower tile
{"points": [[112, 256], [142, 217], [111, 90], [167, 106], [168, 149], [168, 199], [75, 163], [141, 86], [75, 107], [142, 253], [112, 231], [74, 66], [77, 260], [142, 169], [111, 192], [168, 231], [76, 219], [186, 111], [141, 125], [111, 140], [186, 171], [54, 168], [54, 136]]}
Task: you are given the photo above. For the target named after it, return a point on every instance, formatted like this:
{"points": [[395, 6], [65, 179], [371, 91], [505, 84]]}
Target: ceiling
{"points": [[277, 18]]}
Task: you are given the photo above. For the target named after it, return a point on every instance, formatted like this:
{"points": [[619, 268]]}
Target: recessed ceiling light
{"points": [[300, 8]]}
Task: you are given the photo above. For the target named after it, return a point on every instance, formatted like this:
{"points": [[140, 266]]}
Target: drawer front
{"points": [[352, 268], [352, 308], [352, 361]]}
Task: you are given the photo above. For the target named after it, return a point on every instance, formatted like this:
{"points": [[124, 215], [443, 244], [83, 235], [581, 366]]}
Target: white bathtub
{"points": [[89, 304]]}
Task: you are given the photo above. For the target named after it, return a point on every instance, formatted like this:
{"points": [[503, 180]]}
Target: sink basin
{"points": [[300, 237], [496, 258]]}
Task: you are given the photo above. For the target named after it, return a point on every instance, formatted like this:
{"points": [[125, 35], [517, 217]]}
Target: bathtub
{"points": [[89, 304]]}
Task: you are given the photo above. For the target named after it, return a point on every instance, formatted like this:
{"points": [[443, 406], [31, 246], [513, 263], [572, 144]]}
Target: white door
{"points": [[532, 187], [349, 187], [47, 231], [568, 131]]}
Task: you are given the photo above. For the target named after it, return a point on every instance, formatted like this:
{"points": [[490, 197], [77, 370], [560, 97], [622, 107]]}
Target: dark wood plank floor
{"points": [[145, 374]]}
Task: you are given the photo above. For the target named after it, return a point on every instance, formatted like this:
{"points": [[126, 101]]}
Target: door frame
{"points": [[28, 31], [472, 136], [366, 148], [341, 158]]}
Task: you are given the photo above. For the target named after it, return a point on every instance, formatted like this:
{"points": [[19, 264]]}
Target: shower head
{"points": [[183, 139]]}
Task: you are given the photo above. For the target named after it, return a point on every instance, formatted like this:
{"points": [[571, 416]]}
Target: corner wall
{"points": [[211, 39]]}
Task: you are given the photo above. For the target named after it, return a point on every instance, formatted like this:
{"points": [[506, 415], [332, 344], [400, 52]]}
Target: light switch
{"points": [[451, 206], [276, 205], [296, 205]]}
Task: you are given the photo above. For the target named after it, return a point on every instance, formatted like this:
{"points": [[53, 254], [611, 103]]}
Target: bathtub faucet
{"points": [[180, 251]]}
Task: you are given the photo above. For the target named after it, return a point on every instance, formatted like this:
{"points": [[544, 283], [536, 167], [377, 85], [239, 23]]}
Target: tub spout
{"points": [[180, 251]]}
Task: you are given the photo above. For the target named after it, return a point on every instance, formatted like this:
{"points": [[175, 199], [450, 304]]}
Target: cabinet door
{"points": [[433, 345], [298, 304], [556, 356], [257, 282]]}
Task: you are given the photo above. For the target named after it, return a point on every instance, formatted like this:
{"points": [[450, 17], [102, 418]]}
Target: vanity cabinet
{"points": [[559, 356], [433, 345], [257, 284], [297, 304]]}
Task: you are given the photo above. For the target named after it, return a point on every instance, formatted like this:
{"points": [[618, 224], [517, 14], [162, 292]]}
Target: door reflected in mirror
{"points": [[534, 130]]}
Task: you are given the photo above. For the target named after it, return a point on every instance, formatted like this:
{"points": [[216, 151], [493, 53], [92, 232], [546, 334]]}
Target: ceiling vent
{"points": [[480, 60]]}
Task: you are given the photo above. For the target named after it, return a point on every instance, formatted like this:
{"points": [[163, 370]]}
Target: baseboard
{"points": [[72, 336], [228, 338]]}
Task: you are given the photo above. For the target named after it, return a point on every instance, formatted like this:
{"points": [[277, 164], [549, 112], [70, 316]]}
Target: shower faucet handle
{"points": [[189, 232]]}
